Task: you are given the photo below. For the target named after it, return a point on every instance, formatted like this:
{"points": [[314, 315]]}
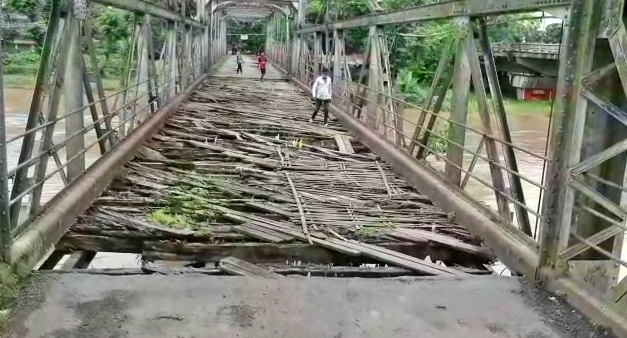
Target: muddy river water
{"points": [[528, 130]]}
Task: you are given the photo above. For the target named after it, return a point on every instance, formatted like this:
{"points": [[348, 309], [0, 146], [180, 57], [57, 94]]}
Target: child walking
{"points": [[321, 92], [262, 68]]}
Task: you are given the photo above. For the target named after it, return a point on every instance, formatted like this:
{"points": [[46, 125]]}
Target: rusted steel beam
{"points": [[517, 251], [442, 10], [288, 3], [62, 210], [144, 7]]}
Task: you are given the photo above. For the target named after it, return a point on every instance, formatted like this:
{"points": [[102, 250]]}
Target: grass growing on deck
{"points": [[187, 209]]}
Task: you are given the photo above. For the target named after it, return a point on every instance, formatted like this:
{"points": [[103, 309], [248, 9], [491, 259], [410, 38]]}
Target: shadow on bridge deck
{"points": [[227, 159]]}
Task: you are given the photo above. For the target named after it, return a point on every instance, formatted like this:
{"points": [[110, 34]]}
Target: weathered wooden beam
{"points": [[312, 271], [255, 252], [238, 267]]}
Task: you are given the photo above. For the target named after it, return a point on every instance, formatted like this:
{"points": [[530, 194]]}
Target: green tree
{"points": [[113, 28], [417, 47], [10, 34], [553, 33], [30, 8], [36, 32], [247, 27]]}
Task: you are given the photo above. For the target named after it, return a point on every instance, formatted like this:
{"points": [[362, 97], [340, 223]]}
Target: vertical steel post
{"points": [[459, 109], [20, 182], [567, 132], [515, 184], [142, 76], [73, 94], [5, 224], [171, 59]]}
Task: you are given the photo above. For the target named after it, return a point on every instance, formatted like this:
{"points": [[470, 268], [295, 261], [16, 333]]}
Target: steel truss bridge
{"points": [[570, 246]]}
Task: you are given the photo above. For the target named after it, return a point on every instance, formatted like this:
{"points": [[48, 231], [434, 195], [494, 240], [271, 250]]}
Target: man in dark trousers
{"points": [[240, 62], [321, 92]]}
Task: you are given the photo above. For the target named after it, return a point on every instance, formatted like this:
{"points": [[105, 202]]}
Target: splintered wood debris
{"points": [[238, 170]]}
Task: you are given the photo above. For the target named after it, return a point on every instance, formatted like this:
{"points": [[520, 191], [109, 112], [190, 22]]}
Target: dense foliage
{"points": [[415, 49], [254, 42], [111, 28]]}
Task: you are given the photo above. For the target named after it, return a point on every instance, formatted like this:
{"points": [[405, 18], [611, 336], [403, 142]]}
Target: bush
{"points": [[23, 63], [416, 93]]}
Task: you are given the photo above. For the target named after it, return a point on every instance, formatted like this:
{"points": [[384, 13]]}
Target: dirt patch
{"points": [[240, 315], [100, 318], [21, 299], [563, 318]]}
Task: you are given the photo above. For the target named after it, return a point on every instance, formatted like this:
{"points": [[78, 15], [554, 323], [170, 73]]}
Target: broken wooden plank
{"points": [[299, 206], [344, 144], [397, 258], [240, 267], [263, 234], [416, 235]]}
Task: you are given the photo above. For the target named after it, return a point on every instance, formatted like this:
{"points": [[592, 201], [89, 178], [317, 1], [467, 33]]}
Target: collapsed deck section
{"points": [[239, 171]]}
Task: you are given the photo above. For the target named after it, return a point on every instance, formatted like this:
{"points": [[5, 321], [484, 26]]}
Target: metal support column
{"points": [[5, 224], [73, 95]]}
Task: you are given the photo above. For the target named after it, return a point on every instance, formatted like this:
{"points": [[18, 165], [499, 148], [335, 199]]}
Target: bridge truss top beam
{"points": [[144, 7], [260, 2], [442, 10]]}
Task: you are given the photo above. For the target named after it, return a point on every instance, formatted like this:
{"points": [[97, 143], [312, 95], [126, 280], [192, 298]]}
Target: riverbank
{"points": [[16, 81], [512, 106]]}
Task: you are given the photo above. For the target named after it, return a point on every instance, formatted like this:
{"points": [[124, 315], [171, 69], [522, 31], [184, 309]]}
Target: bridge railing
{"points": [[84, 103], [553, 212], [465, 138]]}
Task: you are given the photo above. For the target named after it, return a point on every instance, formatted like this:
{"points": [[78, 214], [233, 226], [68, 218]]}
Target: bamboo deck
{"points": [[238, 171]]}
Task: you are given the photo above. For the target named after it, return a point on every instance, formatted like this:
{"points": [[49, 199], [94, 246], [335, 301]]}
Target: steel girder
{"points": [[442, 10], [151, 9]]}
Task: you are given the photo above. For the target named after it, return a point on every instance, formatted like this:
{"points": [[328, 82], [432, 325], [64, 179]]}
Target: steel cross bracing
{"points": [[575, 251]]}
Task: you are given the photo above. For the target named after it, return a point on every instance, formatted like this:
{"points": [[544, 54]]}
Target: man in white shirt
{"points": [[321, 92]]}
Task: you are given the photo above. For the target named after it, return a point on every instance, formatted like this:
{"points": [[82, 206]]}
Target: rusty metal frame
{"points": [[75, 198], [441, 10], [144, 7]]}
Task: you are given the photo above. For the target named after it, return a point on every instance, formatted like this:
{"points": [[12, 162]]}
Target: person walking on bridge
{"points": [[260, 57], [240, 62], [262, 68], [321, 92]]}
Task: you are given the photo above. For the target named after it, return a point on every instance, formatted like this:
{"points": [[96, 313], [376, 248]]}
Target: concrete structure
{"points": [[532, 68], [82, 305]]}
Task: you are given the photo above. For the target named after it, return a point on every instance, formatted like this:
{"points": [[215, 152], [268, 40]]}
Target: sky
{"points": [[548, 21]]}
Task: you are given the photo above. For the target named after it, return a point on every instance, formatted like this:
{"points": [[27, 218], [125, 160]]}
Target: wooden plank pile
{"points": [[238, 171]]}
